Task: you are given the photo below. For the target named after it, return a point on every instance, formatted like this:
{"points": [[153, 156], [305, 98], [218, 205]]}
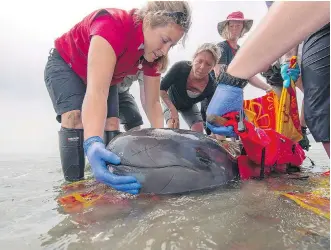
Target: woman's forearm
{"points": [[285, 25], [258, 83], [166, 100], [94, 114]]}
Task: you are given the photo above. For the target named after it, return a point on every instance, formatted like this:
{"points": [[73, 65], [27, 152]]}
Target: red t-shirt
{"points": [[120, 30]]}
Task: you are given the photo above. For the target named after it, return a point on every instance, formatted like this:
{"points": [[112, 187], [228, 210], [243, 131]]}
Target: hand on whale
{"points": [[98, 157]]}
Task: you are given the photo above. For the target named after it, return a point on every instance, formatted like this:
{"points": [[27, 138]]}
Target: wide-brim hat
{"points": [[235, 16]]}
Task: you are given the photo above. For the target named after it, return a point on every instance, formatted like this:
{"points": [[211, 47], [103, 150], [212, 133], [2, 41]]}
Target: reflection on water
{"points": [[248, 215]]}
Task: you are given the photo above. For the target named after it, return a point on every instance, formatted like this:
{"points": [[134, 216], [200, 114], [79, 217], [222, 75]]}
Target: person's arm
{"points": [[173, 122], [285, 25], [153, 107], [100, 68], [165, 99], [258, 83], [167, 102]]}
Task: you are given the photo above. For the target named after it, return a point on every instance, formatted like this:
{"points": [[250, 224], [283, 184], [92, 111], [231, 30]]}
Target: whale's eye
{"points": [[202, 156]]}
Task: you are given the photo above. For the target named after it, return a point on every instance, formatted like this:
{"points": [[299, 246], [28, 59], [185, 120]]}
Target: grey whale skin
{"points": [[168, 161]]}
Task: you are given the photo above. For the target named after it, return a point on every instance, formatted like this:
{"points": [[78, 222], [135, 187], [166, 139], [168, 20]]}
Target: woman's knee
{"points": [[112, 123], [72, 119]]}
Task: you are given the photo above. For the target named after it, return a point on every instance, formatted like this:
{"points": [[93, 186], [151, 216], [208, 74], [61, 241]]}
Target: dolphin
{"points": [[172, 161]]}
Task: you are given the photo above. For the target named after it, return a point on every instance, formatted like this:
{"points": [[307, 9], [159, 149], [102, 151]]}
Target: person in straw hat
{"points": [[232, 29]]}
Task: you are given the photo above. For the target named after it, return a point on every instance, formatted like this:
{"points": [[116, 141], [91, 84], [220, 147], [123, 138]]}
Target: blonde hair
{"points": [[210, 47], [161, 13], [226, 33]]}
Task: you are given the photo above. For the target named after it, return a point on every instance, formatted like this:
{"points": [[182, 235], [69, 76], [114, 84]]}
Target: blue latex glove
{"points": [[289, 73], [98, 157], [225, 99], [222, 130]]}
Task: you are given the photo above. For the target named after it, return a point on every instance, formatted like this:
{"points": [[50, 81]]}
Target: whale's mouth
{"points": [[123, 168]]}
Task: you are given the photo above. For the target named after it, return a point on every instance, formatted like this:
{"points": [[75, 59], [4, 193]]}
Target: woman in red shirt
{"points": [[86, 64]]}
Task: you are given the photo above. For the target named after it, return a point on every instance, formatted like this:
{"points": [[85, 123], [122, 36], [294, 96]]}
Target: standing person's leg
{"points": [[316, 85], [300, 86], [67, 92], [302, 116], [304, 143]]}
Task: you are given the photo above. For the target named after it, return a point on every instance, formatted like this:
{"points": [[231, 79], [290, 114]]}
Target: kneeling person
{"points": [[188, 83]]}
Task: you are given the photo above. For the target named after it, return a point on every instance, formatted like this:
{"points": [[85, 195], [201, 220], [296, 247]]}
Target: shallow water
{"points": [[245, 216]]}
